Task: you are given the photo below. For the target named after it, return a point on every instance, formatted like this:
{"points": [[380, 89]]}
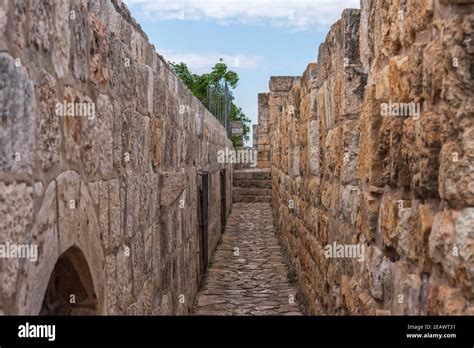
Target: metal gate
{"points": [[223, 199], [203, 216]]}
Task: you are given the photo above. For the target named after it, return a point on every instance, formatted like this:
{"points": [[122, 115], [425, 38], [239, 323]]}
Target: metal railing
{"points": [[218, 102]]}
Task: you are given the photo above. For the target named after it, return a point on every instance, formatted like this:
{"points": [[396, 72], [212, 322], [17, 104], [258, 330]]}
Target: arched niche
{"points": [[67, 233], [70, 288]]}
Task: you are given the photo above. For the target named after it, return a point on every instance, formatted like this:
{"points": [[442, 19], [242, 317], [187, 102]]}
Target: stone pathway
{"points": [[248, 275]]}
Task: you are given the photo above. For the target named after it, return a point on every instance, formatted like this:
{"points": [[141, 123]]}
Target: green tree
{"points": [[220, 74], [217, 79]]}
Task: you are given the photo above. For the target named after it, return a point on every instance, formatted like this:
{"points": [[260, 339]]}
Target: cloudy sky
{"points": [[256, 38]]}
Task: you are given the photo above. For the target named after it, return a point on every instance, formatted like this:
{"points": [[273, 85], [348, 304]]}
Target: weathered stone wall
{"points": [[121, 186], [255, 136], [263, 147], [399, 188]]}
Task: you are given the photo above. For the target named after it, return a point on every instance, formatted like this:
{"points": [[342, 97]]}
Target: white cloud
{"points": [[293, 14], [203, 62]]}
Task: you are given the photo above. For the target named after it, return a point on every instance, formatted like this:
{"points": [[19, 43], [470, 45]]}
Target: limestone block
{"points": [[74, 129], [416, 246], [48, 133], [17, 210], [124, 270], [45, 236], [418, 16], [350, 156], [138, 46], [115, 211], [17, 107], [164, 307], [443, 244], [3, 17], [94, 190], [142, 76], [388, 215], [326, 189], [120, 66], [98, 139], [395, 168], [119, 156], [138, 262], [41, 29], [145, 197], [424, 159], [132, 207], [456, 47], [172, 185], [368, 214], [350, 203], [314, 144], [370, 166], [375, 271], [445, 300], [404, 229], [399, 300], [16, 206], [80, 45], [104, 126], [149, 243], [104, 212], [464, 230], [281, 83], [160, 96], [111, 285], [146, 297], [333, 153], [399, 79], [79, 225], [98, 71], [413, 287], [131, 139], [456, 174]]}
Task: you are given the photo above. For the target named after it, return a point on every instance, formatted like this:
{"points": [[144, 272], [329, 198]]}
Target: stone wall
{"points": [[118, 186], [237, 132], [263, 145], [255, 136], [399, 189]]}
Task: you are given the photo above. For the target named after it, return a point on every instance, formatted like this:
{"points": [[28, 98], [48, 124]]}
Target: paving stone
{"points": [[247, 275]]}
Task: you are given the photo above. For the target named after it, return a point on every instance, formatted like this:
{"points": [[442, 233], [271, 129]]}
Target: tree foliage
{"points": [[217, 78]]}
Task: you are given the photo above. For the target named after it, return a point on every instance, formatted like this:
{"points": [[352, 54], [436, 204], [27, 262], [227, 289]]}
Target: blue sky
{"points": [[256, 38]]}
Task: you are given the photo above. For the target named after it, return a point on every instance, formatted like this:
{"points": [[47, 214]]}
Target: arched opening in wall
{"points": [[70, 289]]}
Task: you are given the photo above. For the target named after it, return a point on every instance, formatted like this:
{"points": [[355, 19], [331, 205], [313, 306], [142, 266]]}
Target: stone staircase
{"points": [[252, 185]]}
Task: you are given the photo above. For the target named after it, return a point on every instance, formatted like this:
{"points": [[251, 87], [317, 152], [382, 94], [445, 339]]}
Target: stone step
{"points": [[253, 174], [252, 185], [265, 184], [250, 191], [249, 199]]}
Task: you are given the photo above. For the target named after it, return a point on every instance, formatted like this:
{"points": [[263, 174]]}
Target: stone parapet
{"points": [[100, 149], [370, 152]]}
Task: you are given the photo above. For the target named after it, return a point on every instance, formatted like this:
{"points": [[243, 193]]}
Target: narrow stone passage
{"points": [[248, 275]]}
